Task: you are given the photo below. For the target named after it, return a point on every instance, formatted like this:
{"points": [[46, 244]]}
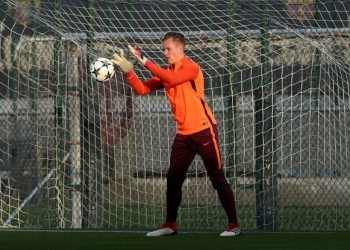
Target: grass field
{"points": [[252, 239]]}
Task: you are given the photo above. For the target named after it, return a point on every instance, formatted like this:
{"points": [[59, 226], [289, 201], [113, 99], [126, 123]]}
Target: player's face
{"points": [[173, 51]]}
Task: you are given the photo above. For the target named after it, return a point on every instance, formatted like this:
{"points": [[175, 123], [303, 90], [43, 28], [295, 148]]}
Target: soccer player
{"points": [[196, 126]]}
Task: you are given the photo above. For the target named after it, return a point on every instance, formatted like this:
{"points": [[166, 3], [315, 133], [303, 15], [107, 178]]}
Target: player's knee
{"points": [[217, 184], [218, 180], [174, 183]]}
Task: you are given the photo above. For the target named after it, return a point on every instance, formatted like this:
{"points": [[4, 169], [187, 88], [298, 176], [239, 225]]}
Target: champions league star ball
{"points": [[102, 69]]}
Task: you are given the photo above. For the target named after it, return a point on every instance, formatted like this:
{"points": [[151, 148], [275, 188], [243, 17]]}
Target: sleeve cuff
{"points": [[130, 74], [149, 64]]}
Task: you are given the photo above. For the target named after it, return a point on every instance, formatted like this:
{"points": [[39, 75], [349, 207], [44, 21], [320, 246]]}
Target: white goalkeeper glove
{"points": [[123, 63], [139, 56], [133, 61]]}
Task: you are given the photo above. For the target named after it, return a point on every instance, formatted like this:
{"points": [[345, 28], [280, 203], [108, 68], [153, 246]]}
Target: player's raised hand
{"points": [[122, 62], [134, 61], [138, 55]]}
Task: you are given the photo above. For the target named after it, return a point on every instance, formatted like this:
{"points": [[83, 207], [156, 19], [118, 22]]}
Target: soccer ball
{"points": [[102, 69]]}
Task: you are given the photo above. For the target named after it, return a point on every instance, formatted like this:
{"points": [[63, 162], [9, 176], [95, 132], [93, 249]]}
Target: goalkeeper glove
{"points": [[140, 57], [122, 62], [133, 61]]}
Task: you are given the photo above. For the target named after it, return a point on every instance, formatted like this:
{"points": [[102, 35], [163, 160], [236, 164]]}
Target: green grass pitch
{"points": [[94, 239]]}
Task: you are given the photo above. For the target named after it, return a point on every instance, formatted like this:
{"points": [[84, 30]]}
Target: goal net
{"points": [[76, 153]]}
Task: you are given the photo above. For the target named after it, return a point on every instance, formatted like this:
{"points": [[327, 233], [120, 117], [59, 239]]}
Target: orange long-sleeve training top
{"points": [[184, 86]]}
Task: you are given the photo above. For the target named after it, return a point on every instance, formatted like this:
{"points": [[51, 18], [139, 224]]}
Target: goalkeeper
{"points": [[196, 126]]}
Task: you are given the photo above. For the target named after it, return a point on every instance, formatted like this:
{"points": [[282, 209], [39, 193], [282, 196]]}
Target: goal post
{"points": [[276, 77]]}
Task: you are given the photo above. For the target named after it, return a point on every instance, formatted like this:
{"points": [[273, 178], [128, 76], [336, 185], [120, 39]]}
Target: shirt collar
{"points": [[178, 63]]}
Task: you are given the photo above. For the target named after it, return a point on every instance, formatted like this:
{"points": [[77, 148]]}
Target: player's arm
{"points": [[186, 73], [127, 67], [142, 88]]}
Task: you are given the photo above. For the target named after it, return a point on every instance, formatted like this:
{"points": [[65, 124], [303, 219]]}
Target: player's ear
{"points": [[180, 47]]}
